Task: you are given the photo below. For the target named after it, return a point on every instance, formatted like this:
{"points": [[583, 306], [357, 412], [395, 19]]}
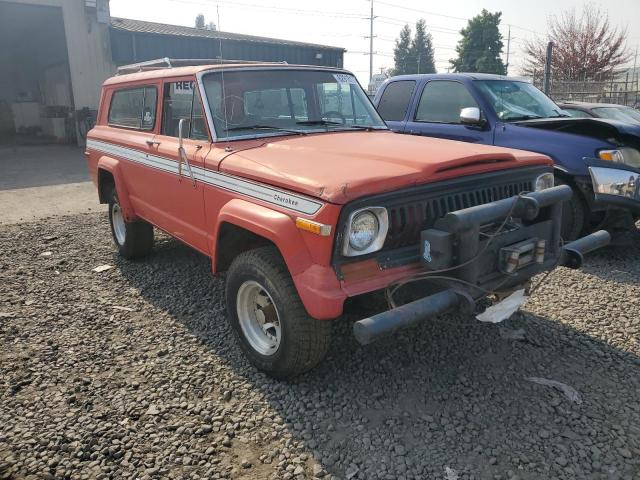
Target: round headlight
{"points": [[364, 229], [544, 181]]}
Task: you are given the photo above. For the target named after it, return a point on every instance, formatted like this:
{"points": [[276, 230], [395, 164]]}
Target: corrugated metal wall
{"points": [[129, 47]]}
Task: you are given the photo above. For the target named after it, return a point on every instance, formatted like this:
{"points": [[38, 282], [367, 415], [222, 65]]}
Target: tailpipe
{"points": [[369, 329], [573, 252]]}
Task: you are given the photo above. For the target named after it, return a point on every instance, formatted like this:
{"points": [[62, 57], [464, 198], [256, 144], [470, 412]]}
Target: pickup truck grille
{"points": [[407, 220]]}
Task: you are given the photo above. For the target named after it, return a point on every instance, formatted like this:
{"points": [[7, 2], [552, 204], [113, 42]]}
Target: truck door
{"points": [[177, 191], [437, 113], [393, 104]]}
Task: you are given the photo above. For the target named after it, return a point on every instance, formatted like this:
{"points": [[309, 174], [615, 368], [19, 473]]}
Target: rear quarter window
{"points": [[395, 100], [133, 108]]}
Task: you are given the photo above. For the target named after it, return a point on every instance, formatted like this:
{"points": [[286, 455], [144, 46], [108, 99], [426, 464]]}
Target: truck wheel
{"points": [[133, 239], [573, 215], [268, 317]]}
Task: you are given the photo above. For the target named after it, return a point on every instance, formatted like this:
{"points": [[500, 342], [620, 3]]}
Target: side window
{"points": [[181, 101], [442, 100], [133, 108], [577, 113], [395, 100]]}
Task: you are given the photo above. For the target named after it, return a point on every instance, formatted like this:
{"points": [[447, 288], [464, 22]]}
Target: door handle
{"points": [[151, 143]]}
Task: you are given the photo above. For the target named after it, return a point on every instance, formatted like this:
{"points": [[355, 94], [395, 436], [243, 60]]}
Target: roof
{"points": [[458, 76], [140, 26], [193, 69]]}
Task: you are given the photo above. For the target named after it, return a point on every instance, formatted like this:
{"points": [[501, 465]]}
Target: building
{"points": [[60, 52]]}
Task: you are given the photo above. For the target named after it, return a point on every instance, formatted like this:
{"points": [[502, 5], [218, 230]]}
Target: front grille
{"points": [[407, 220]]}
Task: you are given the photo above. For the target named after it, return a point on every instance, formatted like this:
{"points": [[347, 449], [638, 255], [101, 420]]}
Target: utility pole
{"points": [[506, 67], [371, 43], [218, 14], [547, 68]]}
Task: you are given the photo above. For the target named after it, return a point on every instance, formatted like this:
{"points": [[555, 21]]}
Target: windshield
{"points": [[513, 100], [623, 114], [254, 103]]}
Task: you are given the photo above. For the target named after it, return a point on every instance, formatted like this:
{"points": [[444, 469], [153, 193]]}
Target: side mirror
{"points": [[471, 116]]}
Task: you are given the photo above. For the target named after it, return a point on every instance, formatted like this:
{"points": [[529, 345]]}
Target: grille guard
{"points": [[458, 248]]}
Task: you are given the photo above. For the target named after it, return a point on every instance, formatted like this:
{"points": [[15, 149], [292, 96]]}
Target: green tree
{"points": [[421, 51], [481, 45], [401, 52], [200, 21]]}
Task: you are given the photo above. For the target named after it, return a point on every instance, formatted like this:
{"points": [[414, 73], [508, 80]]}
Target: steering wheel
{"points": [[334, 114]]}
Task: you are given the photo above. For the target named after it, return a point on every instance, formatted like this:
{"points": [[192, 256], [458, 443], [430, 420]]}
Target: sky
{"points": [[345, 23]]}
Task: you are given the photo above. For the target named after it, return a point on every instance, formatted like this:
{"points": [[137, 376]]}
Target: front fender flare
{"points": [[317, 285], [275, 226]]}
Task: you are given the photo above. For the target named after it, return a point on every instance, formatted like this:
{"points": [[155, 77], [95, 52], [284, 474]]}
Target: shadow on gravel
{"points": [[449, 393]]}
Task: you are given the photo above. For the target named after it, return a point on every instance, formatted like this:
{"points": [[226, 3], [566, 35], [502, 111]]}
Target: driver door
{"points": [[179, 195], [438, 114]]}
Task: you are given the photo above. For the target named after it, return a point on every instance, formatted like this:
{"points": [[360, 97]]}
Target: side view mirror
{"points": [[471, 116]]}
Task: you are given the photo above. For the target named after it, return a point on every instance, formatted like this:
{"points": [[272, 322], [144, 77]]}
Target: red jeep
{"points": [[288, 179]]}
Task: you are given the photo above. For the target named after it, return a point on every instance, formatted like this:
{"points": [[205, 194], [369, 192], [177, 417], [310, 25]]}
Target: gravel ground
{"points": [[133, 372]]}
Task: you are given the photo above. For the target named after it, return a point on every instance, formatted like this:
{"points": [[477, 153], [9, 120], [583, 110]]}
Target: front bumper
{"points": [[619, 187], [490, 247]]}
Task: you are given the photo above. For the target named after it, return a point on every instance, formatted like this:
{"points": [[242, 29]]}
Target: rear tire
{"points": [[573, 215], [133, 239], [268, 318]]}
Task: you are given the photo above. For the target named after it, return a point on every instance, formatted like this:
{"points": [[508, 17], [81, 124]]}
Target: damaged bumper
{"points": [[491, 247]]}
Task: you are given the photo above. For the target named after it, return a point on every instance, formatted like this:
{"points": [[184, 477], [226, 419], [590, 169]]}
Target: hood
{"points": [[608, 130], [341, 166]]}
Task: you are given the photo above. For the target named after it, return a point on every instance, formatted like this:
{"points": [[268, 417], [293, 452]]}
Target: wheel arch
{"points": [[109, 175], [243, 225]]}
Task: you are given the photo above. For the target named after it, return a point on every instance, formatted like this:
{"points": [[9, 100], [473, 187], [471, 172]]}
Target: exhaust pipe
{"points": [[573, 252], [369, 329]]}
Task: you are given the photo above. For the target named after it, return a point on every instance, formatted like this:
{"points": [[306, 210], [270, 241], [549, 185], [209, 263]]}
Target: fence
{"points": [[622, 88]]}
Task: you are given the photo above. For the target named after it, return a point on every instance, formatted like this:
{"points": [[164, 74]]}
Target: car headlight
{"points": [[366, 231], [544, 181], [627, 155]]}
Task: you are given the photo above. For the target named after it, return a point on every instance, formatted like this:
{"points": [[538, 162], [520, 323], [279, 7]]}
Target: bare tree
{"points": [[585, 46]]}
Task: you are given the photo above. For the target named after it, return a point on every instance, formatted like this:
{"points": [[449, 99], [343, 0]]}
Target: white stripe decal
{"points": [[271, 195]]}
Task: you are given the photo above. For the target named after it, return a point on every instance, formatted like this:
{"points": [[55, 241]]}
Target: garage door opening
{"points": [[36, 101]]}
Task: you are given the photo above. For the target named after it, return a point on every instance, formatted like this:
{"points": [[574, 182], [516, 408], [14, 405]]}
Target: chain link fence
{"points": [[622, 88]]}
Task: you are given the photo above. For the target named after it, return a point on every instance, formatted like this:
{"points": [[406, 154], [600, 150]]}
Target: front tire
{"points": [[574, 215], [268, 318], [133, 239]]}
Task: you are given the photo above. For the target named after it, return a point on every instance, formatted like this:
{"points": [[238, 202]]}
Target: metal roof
{"points": [[140, 26]]}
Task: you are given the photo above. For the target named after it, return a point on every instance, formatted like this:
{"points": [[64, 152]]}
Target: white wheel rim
{"points": [[258, 317], [119, 227]]}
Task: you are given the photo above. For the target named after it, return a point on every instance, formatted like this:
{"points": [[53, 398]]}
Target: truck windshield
{"points": [[248, 103], [513, 100]]}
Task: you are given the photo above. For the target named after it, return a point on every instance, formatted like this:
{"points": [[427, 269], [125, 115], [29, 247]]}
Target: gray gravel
{"points": [[132, 372]]}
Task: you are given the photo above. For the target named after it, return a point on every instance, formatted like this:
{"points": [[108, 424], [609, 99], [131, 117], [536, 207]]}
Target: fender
{"points": [[112, 166], [317, 285], [275, 226]]}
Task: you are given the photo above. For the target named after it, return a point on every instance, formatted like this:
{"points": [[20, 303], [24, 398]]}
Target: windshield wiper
{"points": [[523, 117], [265, 127], [318, 122]]}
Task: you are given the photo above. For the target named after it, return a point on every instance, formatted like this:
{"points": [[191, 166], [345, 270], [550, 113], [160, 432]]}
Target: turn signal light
{"points": [[313, 227]]}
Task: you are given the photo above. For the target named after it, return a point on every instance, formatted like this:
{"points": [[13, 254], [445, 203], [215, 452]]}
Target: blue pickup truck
{"points": [[599, 159]]}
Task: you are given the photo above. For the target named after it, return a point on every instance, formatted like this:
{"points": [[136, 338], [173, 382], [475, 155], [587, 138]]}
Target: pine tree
{"points": [[421, 50], [481, 45], [401, 52]]}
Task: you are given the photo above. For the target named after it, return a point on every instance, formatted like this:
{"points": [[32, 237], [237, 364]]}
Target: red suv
{"points": [[289, 180]]}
